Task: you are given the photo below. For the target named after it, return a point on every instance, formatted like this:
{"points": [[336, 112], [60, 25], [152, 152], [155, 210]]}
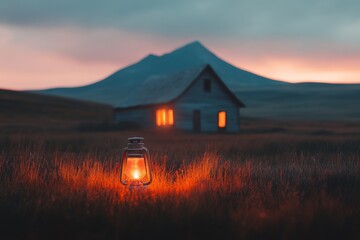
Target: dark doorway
{"points": [[196, 121]]}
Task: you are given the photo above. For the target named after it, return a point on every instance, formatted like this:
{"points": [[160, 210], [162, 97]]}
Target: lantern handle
{"points": [[136, 140]]}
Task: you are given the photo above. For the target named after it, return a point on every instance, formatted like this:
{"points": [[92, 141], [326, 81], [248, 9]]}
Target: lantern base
{"points": [[136, 185]]}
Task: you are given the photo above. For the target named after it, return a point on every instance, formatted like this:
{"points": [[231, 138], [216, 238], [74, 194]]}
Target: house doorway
{"points": [[196, 121]]}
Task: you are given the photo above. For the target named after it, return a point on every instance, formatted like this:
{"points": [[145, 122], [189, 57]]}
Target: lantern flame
{"points": [[136, 174], [135, 168]]}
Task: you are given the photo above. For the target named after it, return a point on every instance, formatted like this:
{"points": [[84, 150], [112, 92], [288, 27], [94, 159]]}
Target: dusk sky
{"points": [[51, 43]]}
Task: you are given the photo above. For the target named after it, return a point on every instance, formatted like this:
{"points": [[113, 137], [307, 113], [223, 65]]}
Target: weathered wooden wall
{"points": [[141, 116], [209, 104], [195, 98]]}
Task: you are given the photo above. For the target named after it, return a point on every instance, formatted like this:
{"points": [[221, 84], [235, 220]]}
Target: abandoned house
{"points": [[191, 100]]}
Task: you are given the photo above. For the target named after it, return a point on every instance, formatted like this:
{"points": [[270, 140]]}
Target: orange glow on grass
{"points": [[100, 180]]}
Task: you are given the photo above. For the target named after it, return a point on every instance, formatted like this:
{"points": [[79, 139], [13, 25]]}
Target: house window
{"points": [[164, 117], [207, 85], [170, 117], [222, 119]]}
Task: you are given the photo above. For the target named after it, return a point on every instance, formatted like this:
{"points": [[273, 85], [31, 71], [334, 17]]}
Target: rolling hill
{"points": [[21, 110], [303, 101], [264, 97]]}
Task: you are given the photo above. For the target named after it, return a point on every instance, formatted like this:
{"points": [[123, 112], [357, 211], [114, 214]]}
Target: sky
{"points": [[52, 43]]}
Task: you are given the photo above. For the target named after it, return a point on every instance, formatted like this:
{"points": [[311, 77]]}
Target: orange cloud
{"points": [[44, 58], [285, 65]]}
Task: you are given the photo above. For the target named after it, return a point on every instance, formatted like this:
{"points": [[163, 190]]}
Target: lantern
{"points": [[135, 168]]}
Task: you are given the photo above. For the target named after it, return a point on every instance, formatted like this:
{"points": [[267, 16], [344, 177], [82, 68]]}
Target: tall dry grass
{"points": [[205, 186]]}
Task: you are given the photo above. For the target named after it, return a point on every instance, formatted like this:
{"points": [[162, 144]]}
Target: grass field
{"points": [[270, 185], [59, 172]]}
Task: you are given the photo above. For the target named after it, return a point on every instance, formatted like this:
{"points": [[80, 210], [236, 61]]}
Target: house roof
{"points": [[160, 89]]}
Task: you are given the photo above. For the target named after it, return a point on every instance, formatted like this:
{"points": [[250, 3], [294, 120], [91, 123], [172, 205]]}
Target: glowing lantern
{"points": [[135, 168]]}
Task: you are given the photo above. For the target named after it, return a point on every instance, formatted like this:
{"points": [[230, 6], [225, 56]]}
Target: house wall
{"points": [[209, 104], [141, 116], [195, 98]]}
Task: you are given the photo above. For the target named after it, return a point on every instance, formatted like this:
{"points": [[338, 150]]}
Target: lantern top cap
{"points": [[136, 140]]}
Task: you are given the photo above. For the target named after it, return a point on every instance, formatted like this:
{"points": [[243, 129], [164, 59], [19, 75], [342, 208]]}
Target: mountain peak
{"points": [[194, 46], [150, 57]]}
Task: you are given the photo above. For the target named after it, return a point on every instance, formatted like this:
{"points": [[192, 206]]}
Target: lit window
{"points": [[164, 117], [160, 117], [222, 119], [171, 117]]}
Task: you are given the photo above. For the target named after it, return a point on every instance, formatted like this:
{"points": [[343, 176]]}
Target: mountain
{"points": [[111, 89], [263, 97]]}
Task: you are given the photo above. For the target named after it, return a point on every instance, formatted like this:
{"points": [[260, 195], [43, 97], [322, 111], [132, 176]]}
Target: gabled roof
{"points": [[160, 89]]}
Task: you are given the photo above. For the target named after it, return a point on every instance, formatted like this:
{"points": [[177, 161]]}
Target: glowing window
{"points": [[222, 119], [164, 117], [171, 117]]}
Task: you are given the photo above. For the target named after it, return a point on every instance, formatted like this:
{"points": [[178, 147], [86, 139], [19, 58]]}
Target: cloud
{"points": [[77, 42], [34, 58], [249, 19], [104, 45]]}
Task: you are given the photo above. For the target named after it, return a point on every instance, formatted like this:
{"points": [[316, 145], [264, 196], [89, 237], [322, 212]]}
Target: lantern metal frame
{"points": [[135, 149]]}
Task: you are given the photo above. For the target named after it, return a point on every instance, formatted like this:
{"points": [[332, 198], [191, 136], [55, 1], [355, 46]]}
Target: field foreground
{"points": [[278, 185]]}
